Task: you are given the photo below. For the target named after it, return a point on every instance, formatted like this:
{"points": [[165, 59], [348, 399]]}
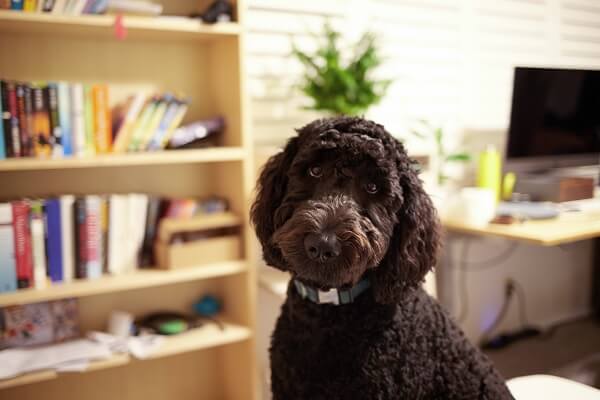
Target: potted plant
{"points": [[339, 84]]}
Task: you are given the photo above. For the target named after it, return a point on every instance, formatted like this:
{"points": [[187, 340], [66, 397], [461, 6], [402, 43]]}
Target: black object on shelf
{"points": [[218, 11], [197, 134]]}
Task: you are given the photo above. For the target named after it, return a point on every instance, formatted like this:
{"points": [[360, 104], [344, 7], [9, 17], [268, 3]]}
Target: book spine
{"points": [[64, 116], [155, 141], [99, 7], [152, 216], [42, 139], [183, 107], [23, 249], [77, 119], [3, 153], [59, 7], [67, 228], [138, 206], [88, 115], [38, 244], [94, 237], [81, 235], [153, 124], [104, 232], [6, 125], [8, 267], [55, 128], [124, 132], [142, 124], [118, 210], [29, 6], [15, 137], [27, 143], [48, 5], [24, 134], [16, 4], [102, 128], [54, 239]]}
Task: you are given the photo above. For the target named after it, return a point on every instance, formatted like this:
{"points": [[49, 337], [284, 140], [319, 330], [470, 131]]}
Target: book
{"points": [[16, 5], [87, 9], [118, 234], [54, 239], [99, 7], [78, 6], [2, 141], [153, 124], [48, 5], [182, 110], [42, 137], [138, 7], [64, 116], [142, 123], [123, 135], [77, 119], [22, 242], [27, 325], [138, 206], [104, 232], [88, 116], [29, 5], [93, 216], [15, 136], [8, 266], [152, 217], [102, 125], [163, 126], [38, 244], [51, 92], [65, 317], [4, 4], [67, 236], [27, 142], [80, 238], [59, 7], [24, 123], [6, 122]]}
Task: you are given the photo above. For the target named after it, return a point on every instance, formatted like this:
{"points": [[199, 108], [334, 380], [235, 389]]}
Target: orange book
{"points": [[42, 138], [102, 123]]}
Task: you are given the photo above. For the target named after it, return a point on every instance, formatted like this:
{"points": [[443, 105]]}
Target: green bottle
{"points": [[490, 170]]}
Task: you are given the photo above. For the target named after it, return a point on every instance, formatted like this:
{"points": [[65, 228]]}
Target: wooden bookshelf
{"points": [[102, 26], [171, 157], [144, 278], [205, 62], [205, 337]]}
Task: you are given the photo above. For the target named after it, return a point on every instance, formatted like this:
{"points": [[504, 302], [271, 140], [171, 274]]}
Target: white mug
{"points": [[475, 206]]}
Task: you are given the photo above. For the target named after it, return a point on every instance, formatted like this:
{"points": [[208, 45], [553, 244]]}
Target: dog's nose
{"points": [[323, 246]]}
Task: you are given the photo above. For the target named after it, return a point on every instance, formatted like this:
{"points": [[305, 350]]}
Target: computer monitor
{"points": [[555, 119]]}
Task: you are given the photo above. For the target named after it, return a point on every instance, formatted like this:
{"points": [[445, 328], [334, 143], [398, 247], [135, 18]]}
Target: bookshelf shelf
{"points": [[103, 26], [140, 279], [205, 337], [217, 154], [46, 375]]}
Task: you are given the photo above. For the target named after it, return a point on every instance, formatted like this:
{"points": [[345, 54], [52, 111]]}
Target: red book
{"points": [[23, 252]]}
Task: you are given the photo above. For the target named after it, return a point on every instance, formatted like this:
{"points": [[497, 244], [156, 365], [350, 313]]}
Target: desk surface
{"points": [[568, 227]]}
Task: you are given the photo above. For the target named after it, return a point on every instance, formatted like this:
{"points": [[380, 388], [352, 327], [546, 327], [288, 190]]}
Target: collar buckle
{"points": [[329, 296]]}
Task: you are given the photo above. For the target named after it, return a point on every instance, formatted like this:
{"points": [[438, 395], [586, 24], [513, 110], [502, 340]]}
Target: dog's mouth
{"points": [[329, 249]]}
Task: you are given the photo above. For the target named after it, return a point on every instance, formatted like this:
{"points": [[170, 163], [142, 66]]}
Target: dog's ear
{"points": [[270, 192], [414, 245]]}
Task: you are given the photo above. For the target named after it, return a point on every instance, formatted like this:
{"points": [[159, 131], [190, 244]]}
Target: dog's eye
{"points": [[371, 188], [315, 171]]}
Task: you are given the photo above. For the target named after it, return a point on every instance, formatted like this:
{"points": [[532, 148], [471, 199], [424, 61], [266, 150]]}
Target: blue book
{"points": [[54, 240], [64, 117], [8, 265], [2, 143], [16, 4]]}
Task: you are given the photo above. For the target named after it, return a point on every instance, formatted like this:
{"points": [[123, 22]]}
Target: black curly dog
{"points": [[342, 207]]}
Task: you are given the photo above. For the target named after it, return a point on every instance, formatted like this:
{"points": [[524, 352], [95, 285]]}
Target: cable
{"points": [[522, 303], [492, 261], [485, 335]]}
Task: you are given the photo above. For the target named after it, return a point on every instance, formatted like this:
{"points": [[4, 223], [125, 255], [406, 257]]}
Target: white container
{"points": [[474, 206]]}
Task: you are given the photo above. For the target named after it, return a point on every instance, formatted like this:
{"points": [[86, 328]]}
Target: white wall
{"points": [[452, 62]]}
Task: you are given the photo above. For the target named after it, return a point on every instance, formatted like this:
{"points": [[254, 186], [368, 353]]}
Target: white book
{"points": [[8, 266], [78, 119], [138, 207], [78, 7], [118, 233], [67, 222], [139, 7], [38, 245], [59, 7]]}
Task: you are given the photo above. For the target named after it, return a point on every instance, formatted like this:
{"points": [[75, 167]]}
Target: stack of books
{"points": [[59, 239], [59, 119], [79, 7]]}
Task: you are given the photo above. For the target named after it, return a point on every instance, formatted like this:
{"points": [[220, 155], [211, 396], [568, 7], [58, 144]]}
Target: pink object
{"points": [[120, 29]]}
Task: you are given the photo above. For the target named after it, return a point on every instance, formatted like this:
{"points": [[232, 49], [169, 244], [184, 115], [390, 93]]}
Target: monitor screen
{"points": [[555, 112]]}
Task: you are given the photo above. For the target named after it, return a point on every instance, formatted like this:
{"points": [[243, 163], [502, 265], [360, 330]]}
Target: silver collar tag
{"points": [[329, 296]]}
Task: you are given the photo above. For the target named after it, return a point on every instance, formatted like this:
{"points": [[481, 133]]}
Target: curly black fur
{"points": [[350, 178]]}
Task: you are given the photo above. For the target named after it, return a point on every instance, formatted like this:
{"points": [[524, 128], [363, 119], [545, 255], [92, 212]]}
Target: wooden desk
{"points": [[568, 227]]}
